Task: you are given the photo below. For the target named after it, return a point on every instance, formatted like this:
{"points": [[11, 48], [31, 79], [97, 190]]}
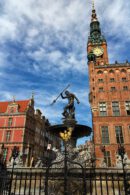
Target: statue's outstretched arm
{"points": [[63, 97], [77, 99]]}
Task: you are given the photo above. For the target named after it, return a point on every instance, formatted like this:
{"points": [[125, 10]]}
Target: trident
{"points": [[54, 101]]}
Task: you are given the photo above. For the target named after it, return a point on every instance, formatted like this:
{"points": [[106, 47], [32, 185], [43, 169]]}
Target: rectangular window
{"points": [[129, 129], [101, 89], [125, 88], [127, 107], [113, 89], [115, 108], [105, 135], [11, 110], [5, 152], [124, 79], [10, 120], [112, 79], [119, 134], [107, 158], [8, 136], [100, 80], [103, 109]]}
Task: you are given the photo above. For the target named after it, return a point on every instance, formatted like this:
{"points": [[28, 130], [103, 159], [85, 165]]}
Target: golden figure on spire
{"points": [[93, 5], [94, 17]]}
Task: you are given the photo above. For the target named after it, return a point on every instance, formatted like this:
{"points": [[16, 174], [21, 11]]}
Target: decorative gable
{"points": [[12, 108]]}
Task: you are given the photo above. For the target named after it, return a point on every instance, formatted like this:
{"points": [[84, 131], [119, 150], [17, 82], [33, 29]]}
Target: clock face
{"points": [[98, 51]]}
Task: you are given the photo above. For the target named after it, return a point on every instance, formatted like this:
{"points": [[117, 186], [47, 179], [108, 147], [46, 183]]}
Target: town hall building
{"points": [[109, 98]]}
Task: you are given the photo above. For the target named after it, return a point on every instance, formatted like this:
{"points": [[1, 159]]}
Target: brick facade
{"points": [[17, 126], [26, 129], [109, 98]]}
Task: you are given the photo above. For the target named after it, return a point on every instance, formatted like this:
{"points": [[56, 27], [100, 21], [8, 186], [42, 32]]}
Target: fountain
{"points": [[69, 131], [66, 174]]}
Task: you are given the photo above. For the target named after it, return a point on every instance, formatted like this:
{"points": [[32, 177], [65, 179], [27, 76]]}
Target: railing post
{"points": [[65, 171]]}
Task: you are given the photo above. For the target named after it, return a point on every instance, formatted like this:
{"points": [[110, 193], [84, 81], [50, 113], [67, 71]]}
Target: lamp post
{"points": [[121, 152], [1, 156], [66, 135], [103, 149], [2, 147], [15, 153], [93, 160]]}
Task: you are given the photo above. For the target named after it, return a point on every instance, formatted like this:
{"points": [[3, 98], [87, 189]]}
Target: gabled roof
{"points": [[22, 105]]}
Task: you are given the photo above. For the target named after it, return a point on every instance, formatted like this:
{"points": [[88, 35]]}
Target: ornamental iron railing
{"points": [[34, 182]]}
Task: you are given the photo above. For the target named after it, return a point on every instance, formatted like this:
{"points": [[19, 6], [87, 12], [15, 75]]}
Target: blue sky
{"points": [[43, 49]]}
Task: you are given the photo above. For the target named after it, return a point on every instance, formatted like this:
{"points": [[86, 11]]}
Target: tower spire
{"points": [[96, 40], [96, 36]]}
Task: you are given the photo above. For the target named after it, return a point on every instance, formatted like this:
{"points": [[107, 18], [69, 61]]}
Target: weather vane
{"points": [[33, 93], [14, 98]]}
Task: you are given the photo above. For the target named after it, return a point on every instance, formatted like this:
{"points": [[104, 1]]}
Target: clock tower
{"points": [[109, 98], [97, 45]]}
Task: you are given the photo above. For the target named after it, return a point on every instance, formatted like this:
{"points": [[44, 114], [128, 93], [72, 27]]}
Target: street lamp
{"points": [[93, 160], [121, 152], [2, 147], [1, 156], [103, 149], [15, 153]]}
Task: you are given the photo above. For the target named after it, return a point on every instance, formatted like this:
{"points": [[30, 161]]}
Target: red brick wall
{"points": [[108, 96], [22, 132]]}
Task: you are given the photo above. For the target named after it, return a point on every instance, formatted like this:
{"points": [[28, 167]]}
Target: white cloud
{"points": [[50, 38], [46, 26], [8, 28], [6, 96]]}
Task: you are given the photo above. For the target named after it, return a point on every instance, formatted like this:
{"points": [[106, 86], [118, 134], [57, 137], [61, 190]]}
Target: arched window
{"points": [[123, 71], [99, 72], [111, 71]]}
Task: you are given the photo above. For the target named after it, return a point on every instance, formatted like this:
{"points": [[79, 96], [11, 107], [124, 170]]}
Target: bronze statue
{"points": [[69, 109]]}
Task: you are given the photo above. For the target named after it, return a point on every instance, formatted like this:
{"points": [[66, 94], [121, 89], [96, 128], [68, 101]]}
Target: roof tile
{"points": [[23, 104]]}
